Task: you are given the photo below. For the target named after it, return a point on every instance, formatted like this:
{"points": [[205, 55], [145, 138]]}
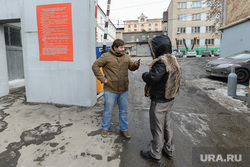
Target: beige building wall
{"points": [[143, 23], [119, 33], [188, 23]]}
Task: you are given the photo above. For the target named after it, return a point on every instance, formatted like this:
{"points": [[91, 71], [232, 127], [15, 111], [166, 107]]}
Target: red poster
{"points": [[55, 32]]}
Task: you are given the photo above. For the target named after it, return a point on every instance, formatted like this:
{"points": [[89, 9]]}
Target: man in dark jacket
{"points": [[162, 85]]}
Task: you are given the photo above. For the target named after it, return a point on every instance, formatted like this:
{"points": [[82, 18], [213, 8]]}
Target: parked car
{"points": [[217, 53], [177, 53], [206, 53], [222, 67], [191, 53]]}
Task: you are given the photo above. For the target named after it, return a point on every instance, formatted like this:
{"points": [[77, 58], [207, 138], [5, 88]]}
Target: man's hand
{"points": [[137, 63]]}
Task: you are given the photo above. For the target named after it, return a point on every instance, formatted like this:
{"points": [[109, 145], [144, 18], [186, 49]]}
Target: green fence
{"points": [[198, 50]]}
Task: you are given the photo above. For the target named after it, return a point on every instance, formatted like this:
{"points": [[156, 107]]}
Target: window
{"points": [[149, 25], [156, 24], [209, 41], [209, 29], [132, 38], [196, 16], [196, 4], [135, 30], [195, 29], [12, 36], [181, 30], [129, 30], [182, 5], [135, 25], [142, 26], [180, 42], [142, 19], [182, 17], [156, 29], [149, 29], [143, 37], [129, 26], [197, 42]]}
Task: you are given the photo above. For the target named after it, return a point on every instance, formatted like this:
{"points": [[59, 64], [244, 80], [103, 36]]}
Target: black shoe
{"points": [[166, 155], [146, 155]]}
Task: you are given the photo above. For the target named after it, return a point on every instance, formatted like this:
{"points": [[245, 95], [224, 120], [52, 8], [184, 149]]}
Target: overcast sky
{"points": [[131, 9]]}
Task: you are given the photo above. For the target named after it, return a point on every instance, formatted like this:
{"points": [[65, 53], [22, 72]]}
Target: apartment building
{"points": [[187, 20]]}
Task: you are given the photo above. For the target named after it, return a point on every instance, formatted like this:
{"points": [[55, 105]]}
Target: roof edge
{"points": [[235, 23]]}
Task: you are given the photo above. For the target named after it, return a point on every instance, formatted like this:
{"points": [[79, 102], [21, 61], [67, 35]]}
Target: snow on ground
{"points": [[16, 83], [217, 91]]}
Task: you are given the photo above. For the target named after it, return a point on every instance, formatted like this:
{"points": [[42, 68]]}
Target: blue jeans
{"points": [[109, 102]]}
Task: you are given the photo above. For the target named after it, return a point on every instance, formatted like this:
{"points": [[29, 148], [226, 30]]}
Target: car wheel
{"points": [[242, 75]]}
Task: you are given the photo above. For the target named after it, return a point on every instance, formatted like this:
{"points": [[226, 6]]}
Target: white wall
{"points": [[235, 39], [4, 85], [61, 82], [10, 9]]}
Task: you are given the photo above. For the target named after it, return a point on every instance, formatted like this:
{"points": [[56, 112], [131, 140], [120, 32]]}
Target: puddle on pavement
{"points": [[38, 135]]}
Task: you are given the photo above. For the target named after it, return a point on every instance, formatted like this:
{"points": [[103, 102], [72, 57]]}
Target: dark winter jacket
{"points": [[164, 75]]}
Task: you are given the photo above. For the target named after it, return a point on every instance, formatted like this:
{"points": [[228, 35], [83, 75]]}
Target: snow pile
{"points": [[217, 91], [16, 83]]}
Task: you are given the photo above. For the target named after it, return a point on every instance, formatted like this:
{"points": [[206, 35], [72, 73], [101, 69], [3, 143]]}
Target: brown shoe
{"points": [[126, 134], [104, 133]]}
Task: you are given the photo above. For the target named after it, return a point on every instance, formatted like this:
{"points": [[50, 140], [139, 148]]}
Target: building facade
{"points": [[143, 23], [187, 20], [137, 32], [101, 16], [235, 27]]}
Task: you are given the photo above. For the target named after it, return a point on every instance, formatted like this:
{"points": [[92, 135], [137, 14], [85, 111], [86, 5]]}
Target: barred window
{"points": [[12, 36]]}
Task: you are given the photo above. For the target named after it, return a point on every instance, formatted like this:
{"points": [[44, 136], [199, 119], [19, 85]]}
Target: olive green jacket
{"points": [[115, 68]]}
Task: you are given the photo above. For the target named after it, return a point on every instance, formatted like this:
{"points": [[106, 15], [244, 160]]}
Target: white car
{"points": [[191, 53]]}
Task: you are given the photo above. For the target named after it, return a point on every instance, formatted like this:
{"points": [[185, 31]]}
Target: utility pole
{"points": [[104, 47]]}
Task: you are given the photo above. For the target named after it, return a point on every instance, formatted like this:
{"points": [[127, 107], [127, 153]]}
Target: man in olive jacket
{"points": [[163, 79], [115, 65]]}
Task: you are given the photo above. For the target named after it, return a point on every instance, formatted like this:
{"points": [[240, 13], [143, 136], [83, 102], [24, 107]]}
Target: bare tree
{"points": [[215, 12], [177, 44], [194, 42], [184, 41]]}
